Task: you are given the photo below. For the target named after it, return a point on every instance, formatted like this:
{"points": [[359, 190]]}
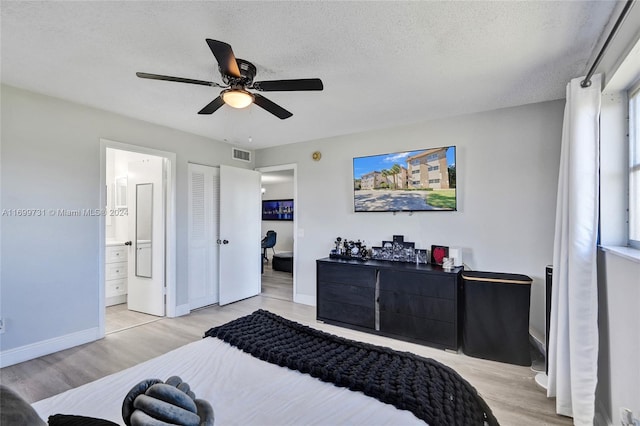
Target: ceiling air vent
{"points": [[241, 154]]}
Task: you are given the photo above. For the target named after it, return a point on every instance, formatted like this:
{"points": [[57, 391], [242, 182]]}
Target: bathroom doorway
{"points": [[138, 238]]}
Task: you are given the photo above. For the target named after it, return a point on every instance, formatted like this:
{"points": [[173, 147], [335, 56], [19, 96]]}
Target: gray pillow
{"points": [[16, 411], [153, 402]]}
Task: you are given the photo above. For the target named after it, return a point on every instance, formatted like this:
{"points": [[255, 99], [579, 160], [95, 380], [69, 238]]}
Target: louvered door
{"points": [[203, 229]]}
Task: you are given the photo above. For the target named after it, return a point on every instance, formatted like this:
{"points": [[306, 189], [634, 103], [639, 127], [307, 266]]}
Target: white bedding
{"points": [[242, 390]]}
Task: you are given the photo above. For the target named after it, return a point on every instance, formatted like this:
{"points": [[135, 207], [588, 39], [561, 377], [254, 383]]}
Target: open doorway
{"points": [[137, 237], [278, 278]]}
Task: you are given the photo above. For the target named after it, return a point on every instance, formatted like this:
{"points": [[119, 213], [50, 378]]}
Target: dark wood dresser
{"points": [[417, 303]]}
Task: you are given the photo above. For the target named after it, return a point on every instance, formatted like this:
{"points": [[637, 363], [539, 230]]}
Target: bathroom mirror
{"points": [[121, 192], [144, 219]]}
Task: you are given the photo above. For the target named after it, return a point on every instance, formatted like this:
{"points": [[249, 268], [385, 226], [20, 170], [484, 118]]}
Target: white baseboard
{"points": [[46, 347], [182, 310], [304, 299], [115, 300], [542, 380]]}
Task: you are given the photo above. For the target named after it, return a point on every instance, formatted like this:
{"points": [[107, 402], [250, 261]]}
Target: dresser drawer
{"points": [[395, 302], [115, 270], [353, 275], [442, 286], [347, 313], [432, 331], [115, 287], [116, 254], [344, 293]]}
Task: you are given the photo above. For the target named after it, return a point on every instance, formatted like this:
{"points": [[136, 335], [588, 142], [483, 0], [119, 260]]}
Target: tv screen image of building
{"points": [[277, 210], [421, 180]]}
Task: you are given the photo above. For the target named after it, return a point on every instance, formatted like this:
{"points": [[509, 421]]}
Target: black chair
{"points": [[267, 243]]}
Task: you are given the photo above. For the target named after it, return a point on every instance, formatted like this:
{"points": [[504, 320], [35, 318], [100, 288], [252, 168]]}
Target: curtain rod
{"points": [[587, 80]]}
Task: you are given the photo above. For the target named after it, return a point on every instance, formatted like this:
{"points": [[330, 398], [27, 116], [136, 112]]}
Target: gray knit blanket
{"points": [[432, 391]]}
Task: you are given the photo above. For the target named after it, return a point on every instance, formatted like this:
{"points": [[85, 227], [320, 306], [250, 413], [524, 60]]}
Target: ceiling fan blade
{"points": [[176, 79], [271, 107], [288, 85], [212, 106], [225, 57]]}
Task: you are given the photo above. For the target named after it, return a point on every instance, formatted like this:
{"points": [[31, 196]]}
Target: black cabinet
{"points": [[419, 305], [412, 302], [347, 294]]}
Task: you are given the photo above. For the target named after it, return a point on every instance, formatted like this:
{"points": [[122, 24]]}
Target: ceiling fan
{"points": [[237, 76]]}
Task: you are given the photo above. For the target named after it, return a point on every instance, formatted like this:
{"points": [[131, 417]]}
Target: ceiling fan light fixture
{"points": [[237, 75], [237, 98]]}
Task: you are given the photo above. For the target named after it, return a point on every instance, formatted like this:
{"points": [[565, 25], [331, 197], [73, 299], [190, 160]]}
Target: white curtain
{"points": [[573, 343]]}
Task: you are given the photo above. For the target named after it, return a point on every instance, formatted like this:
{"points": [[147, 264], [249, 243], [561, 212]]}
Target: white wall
{"points": [[283, 228], [619, 329], [51, 160], [117, 165], [507, 171]]}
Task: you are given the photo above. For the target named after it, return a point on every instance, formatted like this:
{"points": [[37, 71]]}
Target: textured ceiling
{"points": [[383, 64]]}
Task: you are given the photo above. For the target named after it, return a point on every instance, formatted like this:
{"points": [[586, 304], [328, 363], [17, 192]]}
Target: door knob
{"points": [[127, 243], [225, 241]]}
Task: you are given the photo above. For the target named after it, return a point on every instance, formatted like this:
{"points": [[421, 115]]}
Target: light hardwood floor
{"points": [[509, 390], [277, 284], [118, 318]]}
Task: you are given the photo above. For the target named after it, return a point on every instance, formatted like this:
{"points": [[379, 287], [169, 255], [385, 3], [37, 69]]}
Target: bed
{"points": [[263, 369]]}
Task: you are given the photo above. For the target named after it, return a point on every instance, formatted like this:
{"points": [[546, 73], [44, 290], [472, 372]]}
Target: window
{"points": [[634, 167]]}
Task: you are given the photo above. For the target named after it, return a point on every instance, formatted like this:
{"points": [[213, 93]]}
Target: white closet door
{"points": [[203, 229], [240, 233]]}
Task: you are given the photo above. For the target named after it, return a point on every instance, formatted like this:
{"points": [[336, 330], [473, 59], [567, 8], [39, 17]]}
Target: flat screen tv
{"points": [[410, 181], [277, 209]]}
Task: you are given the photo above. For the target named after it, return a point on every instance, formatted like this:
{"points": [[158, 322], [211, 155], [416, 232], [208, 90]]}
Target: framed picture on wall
{"points": [[277, 209]]}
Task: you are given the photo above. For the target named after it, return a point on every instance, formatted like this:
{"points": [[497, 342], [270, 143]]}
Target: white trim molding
{"points": [[304, 299], [629, 253], [171, 221], [182, 310], [46, 347]]}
